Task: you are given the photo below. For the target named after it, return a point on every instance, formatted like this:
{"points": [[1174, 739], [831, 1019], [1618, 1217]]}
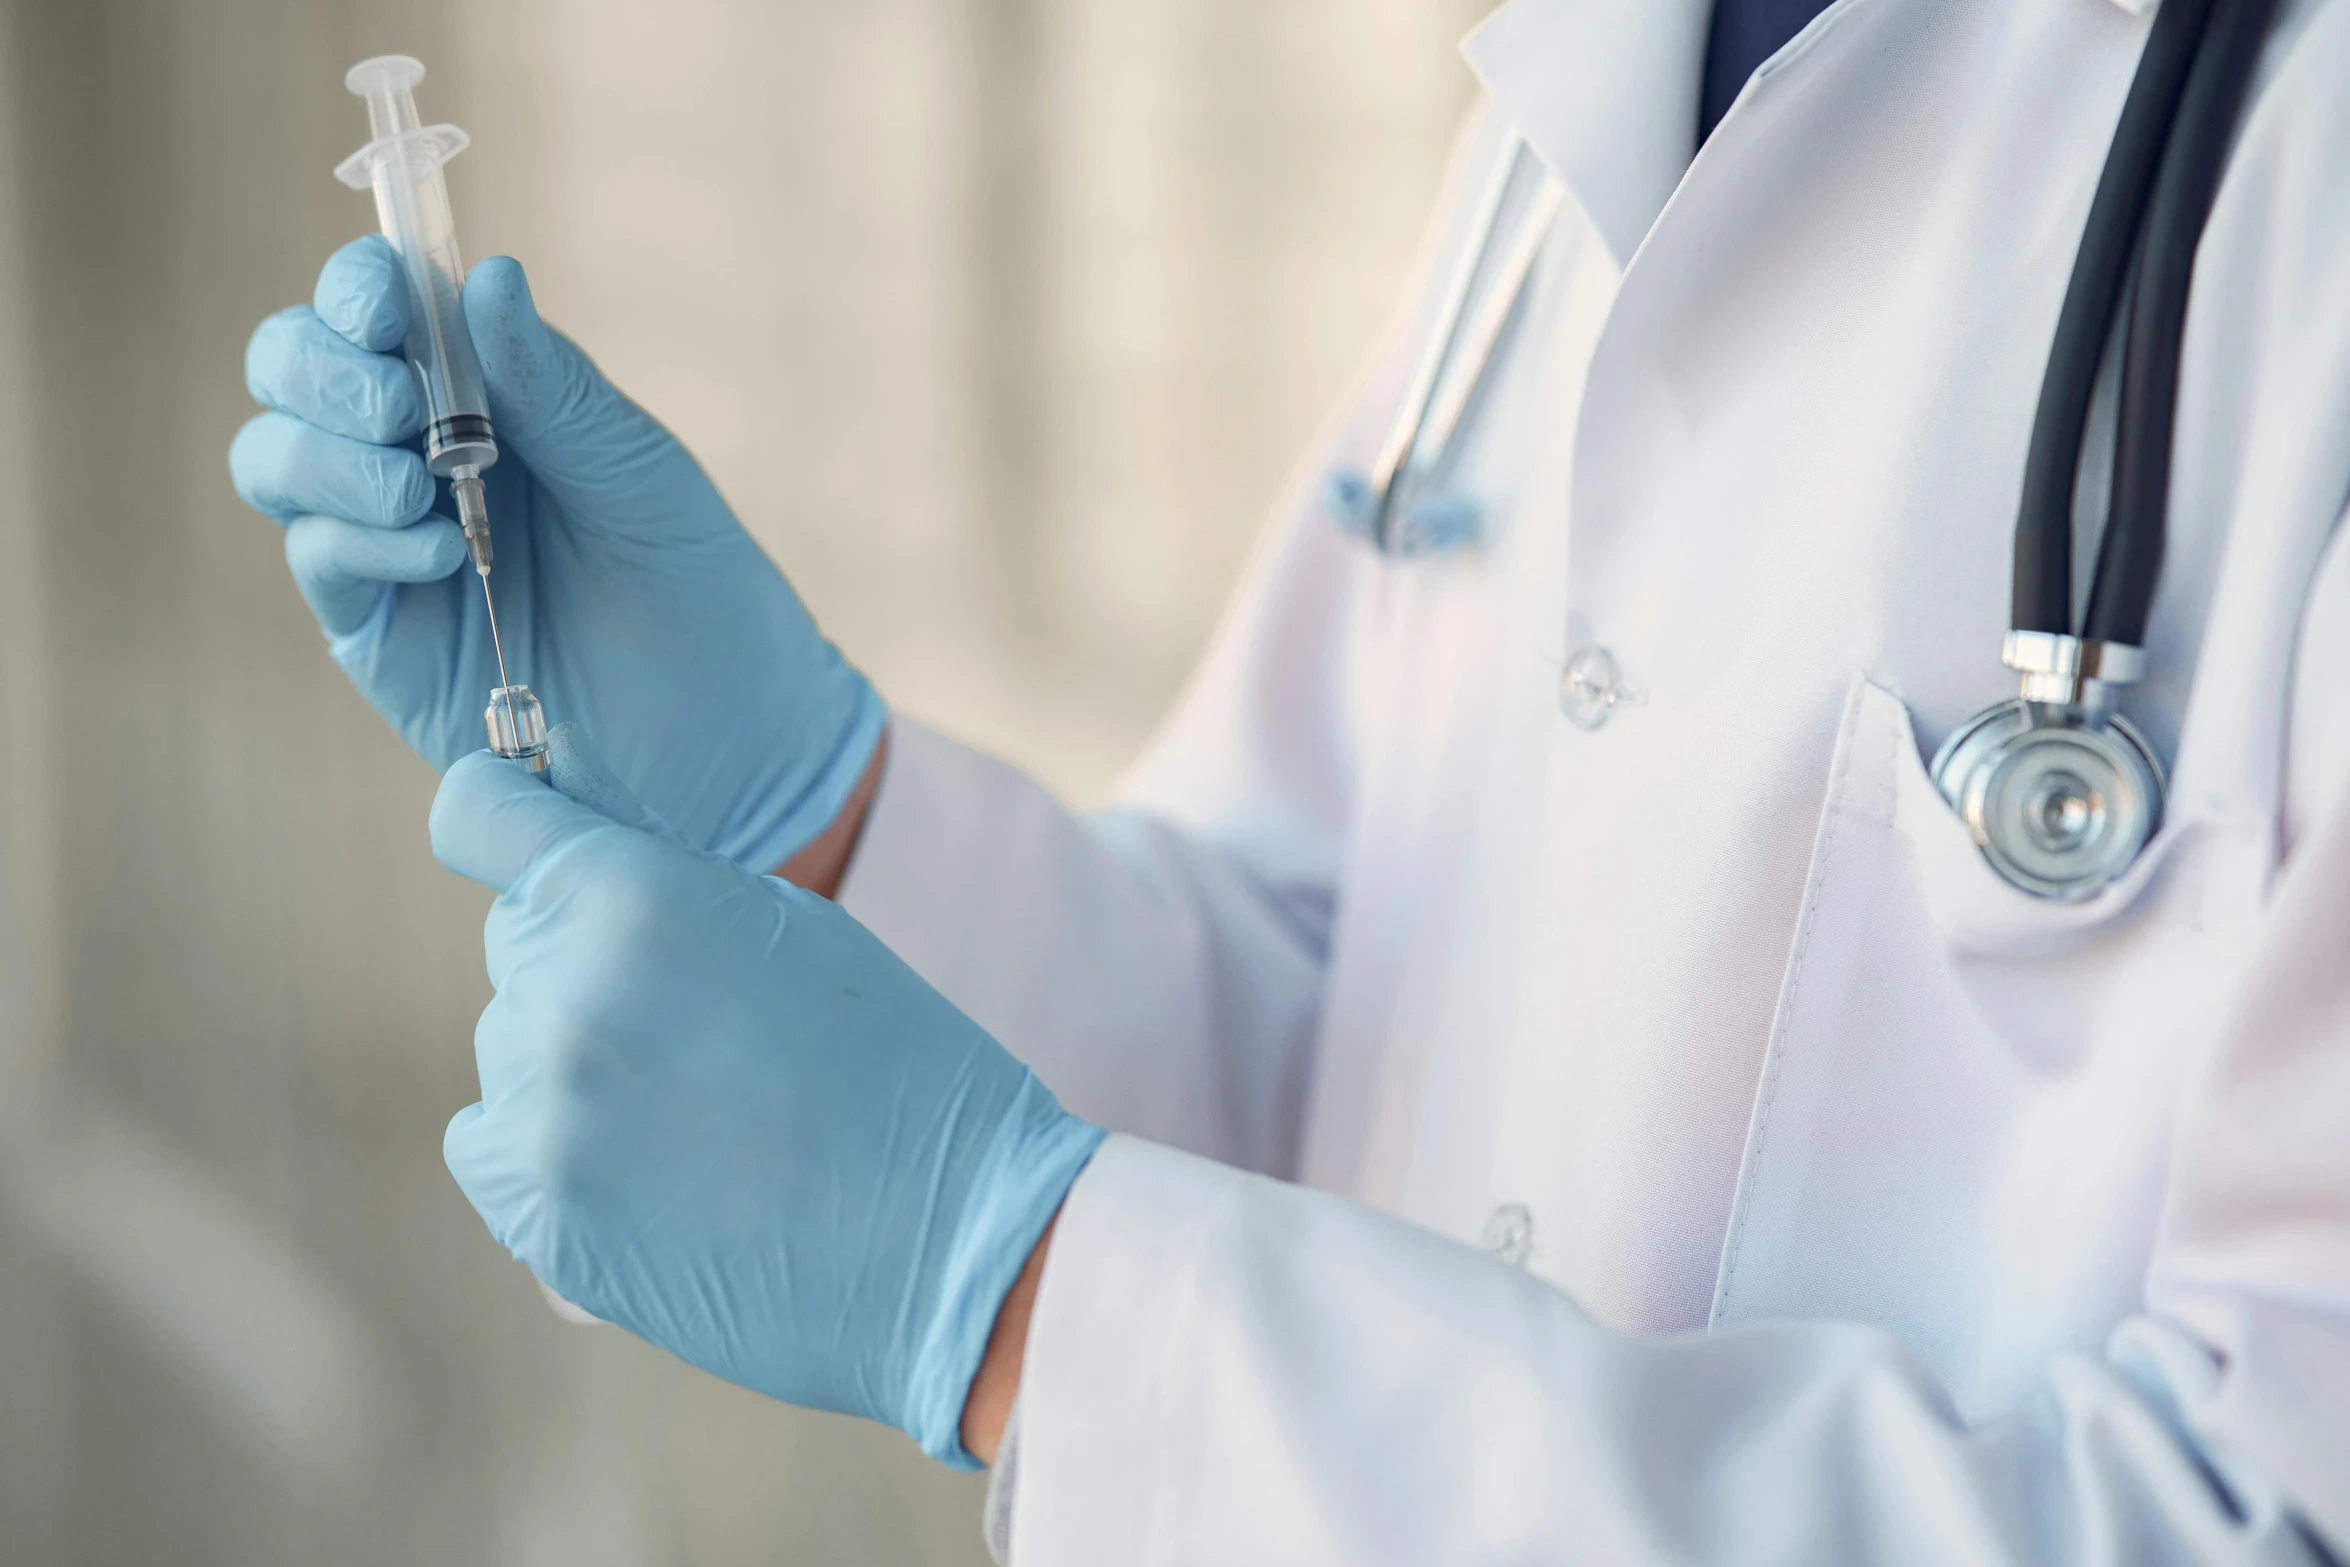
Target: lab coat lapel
{"points": [[1605, 93]]}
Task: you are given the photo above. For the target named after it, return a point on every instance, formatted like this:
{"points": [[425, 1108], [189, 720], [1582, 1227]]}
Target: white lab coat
{"points": [[1864, 1207]]}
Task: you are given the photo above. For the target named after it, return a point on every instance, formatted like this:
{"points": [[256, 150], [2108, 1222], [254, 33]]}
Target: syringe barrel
{"points": [[413, 206], [402, 164]]}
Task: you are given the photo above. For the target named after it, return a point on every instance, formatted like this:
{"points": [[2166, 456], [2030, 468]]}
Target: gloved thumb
{"points": [[601, 455], [492, 819]]}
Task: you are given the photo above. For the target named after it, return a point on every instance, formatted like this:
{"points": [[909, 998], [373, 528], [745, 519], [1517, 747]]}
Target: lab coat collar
{"points": [[1605, 92]]}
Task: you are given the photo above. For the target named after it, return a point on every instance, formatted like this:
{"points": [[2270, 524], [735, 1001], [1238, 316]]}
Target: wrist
{"points": [[813, 761], [996, 1385], [1007, 1198], [821, 865]]}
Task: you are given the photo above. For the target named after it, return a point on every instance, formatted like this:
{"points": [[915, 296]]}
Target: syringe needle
{"points": [[473, 520], [496, 641], [523, 734], [505, 691]]}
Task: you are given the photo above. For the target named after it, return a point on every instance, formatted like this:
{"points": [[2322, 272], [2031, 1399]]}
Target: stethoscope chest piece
{"points": [[2059, 791], [2059, 797]]}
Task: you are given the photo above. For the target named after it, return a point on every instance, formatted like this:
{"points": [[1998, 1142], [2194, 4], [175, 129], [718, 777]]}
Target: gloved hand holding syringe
{"points": [[714, 735], [627, 592], [402, 164]]}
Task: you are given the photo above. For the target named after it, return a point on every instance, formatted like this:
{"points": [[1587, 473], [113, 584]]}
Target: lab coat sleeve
{"points": [[1157, 980], [1226, 1369], [1160, 964]]}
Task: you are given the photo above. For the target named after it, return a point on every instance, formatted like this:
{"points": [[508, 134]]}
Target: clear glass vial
{"points": [[518, 726]]}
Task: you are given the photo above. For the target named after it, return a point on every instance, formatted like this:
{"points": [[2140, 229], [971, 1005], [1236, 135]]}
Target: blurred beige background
{"points": [[1000, 321]]}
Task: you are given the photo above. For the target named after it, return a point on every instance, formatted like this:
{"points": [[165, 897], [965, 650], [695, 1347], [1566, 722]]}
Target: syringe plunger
{"points": [[388, 83], [401, 163]]}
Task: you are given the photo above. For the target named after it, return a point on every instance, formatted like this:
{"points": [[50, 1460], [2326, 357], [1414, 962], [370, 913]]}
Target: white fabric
{"points": [[1294, 1378], [1003, 1484], [2053, 1203], [1121, 930]]}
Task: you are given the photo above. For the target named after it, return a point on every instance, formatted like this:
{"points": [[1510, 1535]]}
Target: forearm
{"points": [[998, 1382], [820, 866]]}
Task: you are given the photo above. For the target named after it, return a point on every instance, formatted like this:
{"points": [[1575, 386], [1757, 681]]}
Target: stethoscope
{"points": [[2059, 790], [1401, 506]]}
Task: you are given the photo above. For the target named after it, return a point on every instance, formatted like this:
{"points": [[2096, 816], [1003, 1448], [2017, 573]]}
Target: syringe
{"points": [[402, 164]]}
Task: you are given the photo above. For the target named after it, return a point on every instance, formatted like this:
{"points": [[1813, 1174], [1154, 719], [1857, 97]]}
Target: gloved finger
{"points": [[508, 1060], [285, 468], [296, 364], [499, 1175], [481, 1156], [363, 295], [599, 453], [492, 820], [579, 770], [342, 567]]}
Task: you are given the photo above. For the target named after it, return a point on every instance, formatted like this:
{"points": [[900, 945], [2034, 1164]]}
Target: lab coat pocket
{"points": [[1959, 1125], [2031, 969], [1974, 910]]}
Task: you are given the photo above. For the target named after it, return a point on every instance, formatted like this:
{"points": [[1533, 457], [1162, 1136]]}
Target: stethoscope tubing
{"points": [[1484, 333], [2043, 594], [2059, 790], [2129, 557], [1429, 416], [2161, 176]]}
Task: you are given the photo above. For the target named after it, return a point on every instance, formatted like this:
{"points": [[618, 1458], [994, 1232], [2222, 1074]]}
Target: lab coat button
{"points": [[1509, 1234], [1590, 687]]}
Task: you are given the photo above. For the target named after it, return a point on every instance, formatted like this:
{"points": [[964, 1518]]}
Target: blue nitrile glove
{"points": [[630, 598], [717, 1111]]}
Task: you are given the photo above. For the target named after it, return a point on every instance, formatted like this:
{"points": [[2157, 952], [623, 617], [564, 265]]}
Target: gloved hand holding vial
{"points": [[401, 163]]}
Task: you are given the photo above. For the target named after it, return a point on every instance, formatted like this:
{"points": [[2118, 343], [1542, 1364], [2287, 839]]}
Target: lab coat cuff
{"points": [[1106, 1356], [931, 844], [1003, 1482]]}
